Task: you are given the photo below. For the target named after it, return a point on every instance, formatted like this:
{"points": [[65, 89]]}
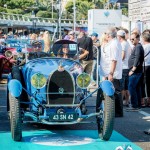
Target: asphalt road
{"points": [[130, 126]]}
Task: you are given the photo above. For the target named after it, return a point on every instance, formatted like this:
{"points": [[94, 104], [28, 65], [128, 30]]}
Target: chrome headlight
{"points": [[38, 80], [8, 53], [83, 80]]}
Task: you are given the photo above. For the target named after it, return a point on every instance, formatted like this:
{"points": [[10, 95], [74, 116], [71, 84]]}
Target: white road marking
{"points": [[61, 140], [147, 115]]}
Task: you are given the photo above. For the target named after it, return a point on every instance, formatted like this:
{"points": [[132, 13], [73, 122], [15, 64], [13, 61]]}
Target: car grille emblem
{"points": [[61, 90]]}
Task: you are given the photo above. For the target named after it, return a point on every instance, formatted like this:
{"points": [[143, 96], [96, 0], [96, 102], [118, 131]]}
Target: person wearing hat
{"points": [[95, 39], [96, 46], [121, 35]]}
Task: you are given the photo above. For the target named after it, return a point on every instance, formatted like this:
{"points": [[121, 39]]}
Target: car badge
{"points": [[61, 90], [61, 68]]}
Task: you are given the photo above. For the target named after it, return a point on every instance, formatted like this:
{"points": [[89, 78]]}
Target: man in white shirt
{"points": [[111, 67], [125, 56]]}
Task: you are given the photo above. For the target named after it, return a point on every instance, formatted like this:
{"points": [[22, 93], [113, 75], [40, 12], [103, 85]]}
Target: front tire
{"points": [[105, 121], [15, 118]]}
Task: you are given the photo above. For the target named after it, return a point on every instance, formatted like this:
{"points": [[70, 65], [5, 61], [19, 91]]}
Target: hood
{"points": [[46, 66]]}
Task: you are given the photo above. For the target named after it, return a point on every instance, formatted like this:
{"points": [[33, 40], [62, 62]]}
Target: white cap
{"points": [[121, 33]]}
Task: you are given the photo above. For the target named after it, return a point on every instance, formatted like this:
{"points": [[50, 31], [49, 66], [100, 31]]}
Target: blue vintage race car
{"points": [[51, 88]]}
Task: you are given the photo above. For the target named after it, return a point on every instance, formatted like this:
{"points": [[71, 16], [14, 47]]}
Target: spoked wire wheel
{"points": [[15, 118], [105, 121]]}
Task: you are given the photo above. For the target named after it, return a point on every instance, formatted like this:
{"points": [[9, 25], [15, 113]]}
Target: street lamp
{"points": [[58, 8], [33, 17], [74, 15], [5, 5]]}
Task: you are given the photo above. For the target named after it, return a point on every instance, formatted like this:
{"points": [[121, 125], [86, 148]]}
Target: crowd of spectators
{"points": [[124, 60]]}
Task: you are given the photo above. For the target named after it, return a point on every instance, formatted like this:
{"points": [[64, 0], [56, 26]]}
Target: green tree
{"points": [[82, 7], [44, 14], [12, 4], [125, 11], [15, 11], [3, 9]]}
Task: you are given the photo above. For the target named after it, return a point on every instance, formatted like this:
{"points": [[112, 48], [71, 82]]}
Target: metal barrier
{"points": [[16, 19]]}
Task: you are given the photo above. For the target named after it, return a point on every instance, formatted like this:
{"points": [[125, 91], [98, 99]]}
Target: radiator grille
{"points": [[60, 88]]}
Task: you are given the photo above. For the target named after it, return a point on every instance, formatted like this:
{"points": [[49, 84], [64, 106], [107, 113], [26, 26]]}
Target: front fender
{"points": [[15, 88], [107, 87]]}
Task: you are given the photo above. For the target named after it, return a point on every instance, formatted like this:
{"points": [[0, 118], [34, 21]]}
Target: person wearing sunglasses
{"points": [[135, 64]]}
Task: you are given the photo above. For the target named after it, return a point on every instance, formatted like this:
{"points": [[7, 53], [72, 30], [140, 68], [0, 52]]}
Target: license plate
{"points": [[63, 117]]}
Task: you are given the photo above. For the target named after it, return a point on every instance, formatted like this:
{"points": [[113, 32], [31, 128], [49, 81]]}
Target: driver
{"points": [[37, 46]]}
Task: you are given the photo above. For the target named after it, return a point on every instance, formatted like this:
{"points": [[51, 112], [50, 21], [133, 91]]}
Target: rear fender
{"points": [[107, 87], [15, 88]]}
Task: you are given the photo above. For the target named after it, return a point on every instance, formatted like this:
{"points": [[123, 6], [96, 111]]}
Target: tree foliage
{"points": [[43, 8], [82, 7], [3, 9], [44, 14], [15, 11], [12, 4]]}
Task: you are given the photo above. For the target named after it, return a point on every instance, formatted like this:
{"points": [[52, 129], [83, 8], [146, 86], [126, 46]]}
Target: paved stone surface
{"points": [[131, 125]]}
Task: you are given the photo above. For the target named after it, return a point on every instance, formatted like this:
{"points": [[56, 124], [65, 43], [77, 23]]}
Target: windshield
{"points": [[65, 49], [25, 45]]}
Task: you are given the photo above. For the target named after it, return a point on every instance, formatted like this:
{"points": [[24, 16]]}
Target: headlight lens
{"points": [[38, 80], [83, 80]]}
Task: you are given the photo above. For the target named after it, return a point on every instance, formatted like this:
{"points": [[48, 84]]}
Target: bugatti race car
{"points": [[51, 88]]}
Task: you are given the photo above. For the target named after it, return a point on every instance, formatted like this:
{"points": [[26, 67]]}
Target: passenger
{"points": [[135, 64], [64, 51], [111, 67], [125, 56]]}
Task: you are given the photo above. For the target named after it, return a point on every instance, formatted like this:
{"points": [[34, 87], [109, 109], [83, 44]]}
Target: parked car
{"points": [[52, 89], [6, 61]]}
